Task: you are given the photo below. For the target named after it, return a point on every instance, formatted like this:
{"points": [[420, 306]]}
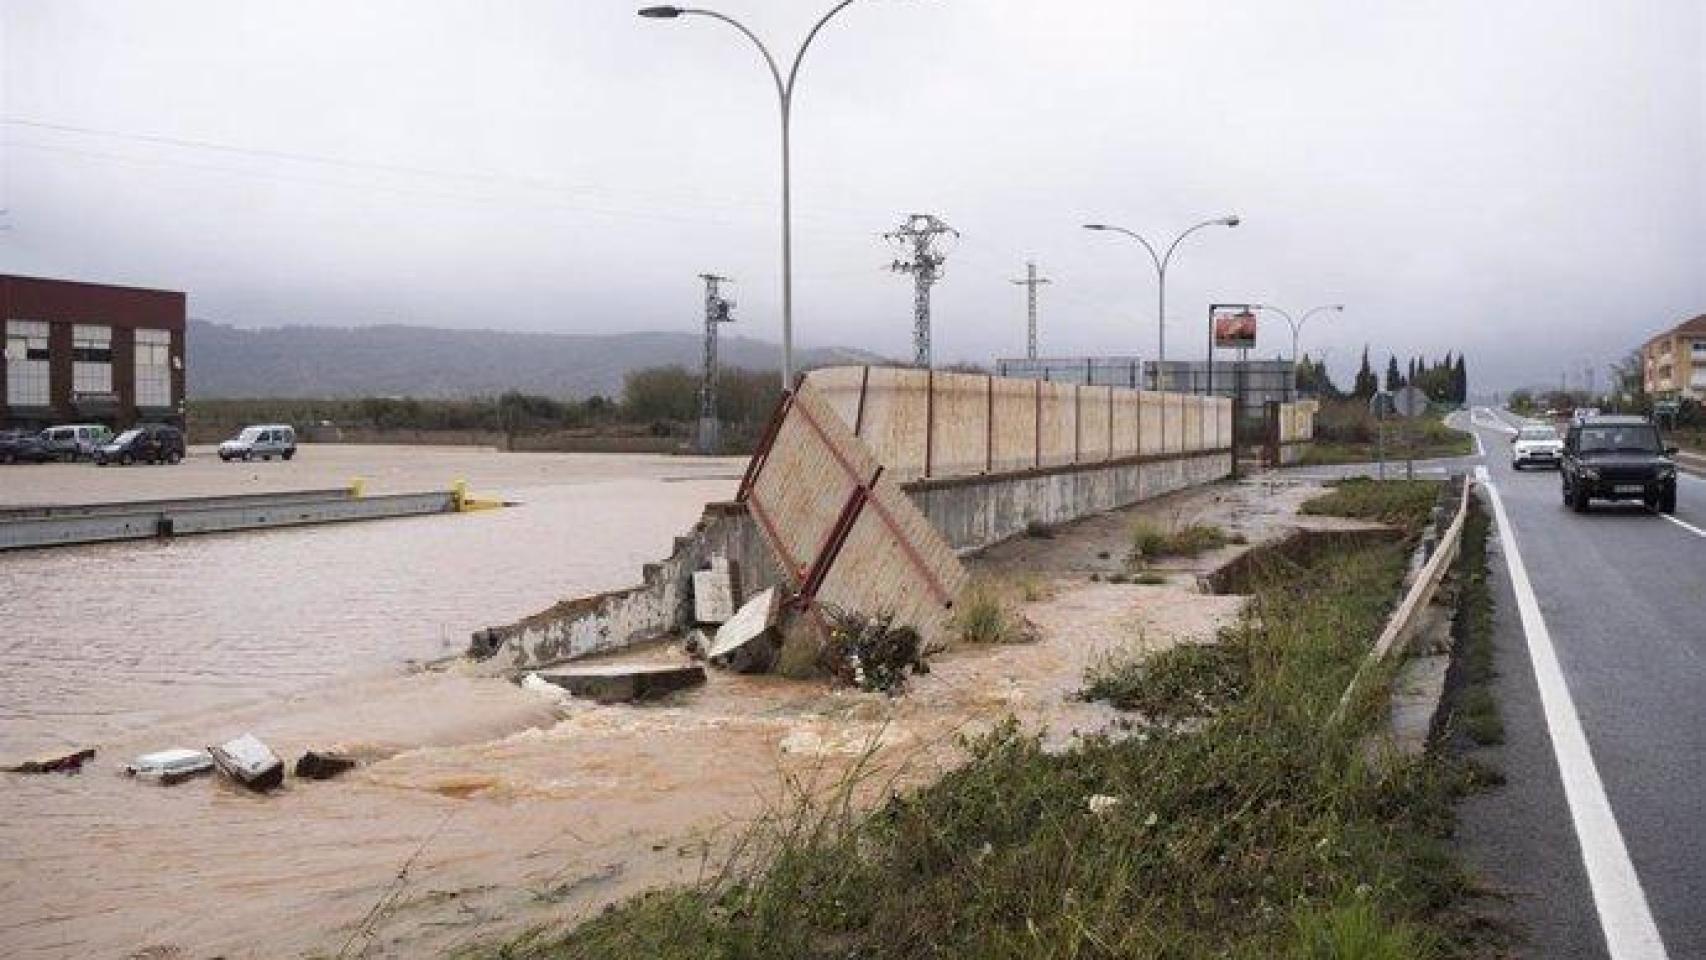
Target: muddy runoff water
{"points": [[305, 637], [486, 807]]}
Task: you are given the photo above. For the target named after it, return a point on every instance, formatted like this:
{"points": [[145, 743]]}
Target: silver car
{"points": [[260, 443]]}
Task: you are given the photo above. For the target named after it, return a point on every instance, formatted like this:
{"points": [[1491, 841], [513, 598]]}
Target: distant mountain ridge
{"points": [[431, 362]]}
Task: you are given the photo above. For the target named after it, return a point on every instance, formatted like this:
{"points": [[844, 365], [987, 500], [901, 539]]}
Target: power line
{"points": [[918, 235], [1030, 283]]}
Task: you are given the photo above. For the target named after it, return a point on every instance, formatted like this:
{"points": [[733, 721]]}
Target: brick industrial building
{"points": [[90, 353], [1673, 364]]}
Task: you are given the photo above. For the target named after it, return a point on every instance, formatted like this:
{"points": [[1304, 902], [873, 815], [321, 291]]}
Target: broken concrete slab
{"points": [[625, 682], [714, 594], [170, 766], [323, 765], [249, 762], [749, 642], [71, 762]]}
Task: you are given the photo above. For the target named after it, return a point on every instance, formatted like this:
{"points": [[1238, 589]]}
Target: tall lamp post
{"points": [[1162, 261], [785, 94], [1297, 328]]}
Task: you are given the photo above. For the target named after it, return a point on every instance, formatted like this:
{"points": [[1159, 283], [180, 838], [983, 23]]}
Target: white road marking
{"points": [[1624, 916], [1684, 524], [1497, 422]]}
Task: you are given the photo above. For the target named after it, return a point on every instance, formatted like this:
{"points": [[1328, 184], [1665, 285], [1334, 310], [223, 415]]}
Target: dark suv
{"points": [[155, 443], [1618, 458]]}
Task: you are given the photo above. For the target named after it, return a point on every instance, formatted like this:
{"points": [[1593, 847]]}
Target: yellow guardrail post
{"points": [[357, 487]]}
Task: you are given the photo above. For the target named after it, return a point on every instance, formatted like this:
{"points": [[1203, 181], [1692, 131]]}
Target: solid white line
{"points": [[1684, 524], [1624, 917]]}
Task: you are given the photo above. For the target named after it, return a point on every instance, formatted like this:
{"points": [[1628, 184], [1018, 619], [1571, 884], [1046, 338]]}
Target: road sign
{"points": [[1380, 404], [1410, 401]]}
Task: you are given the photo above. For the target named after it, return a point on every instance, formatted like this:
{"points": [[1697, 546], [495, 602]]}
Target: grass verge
{"points": [[1474, 710], [1406, 504], [1266, 831]]}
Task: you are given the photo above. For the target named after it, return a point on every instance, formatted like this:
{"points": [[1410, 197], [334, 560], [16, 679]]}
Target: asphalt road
{"points": [[1599, 836]]}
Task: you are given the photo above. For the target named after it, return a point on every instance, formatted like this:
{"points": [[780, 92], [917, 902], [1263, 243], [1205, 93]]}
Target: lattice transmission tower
{"points": [[718, 310], [1030, 283], [919, 236]]}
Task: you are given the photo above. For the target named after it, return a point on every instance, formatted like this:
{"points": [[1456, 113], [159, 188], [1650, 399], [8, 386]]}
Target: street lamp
{"points": [[1296, 328], [785, 93], [1161, 263]]}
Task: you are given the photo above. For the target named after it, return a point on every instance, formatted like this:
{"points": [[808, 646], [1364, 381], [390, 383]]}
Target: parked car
{"points": [[153, 443], [1618, 458], [260, 442], [1536, 443], [76, 441], [19, 446]]}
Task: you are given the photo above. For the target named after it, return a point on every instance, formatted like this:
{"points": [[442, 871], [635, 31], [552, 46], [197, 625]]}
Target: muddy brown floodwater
{"points": [[486, 807], [301, 635]]}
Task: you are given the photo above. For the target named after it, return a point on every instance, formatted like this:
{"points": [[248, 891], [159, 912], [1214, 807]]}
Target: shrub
{"points": [[1150, 542], [985, 615]]}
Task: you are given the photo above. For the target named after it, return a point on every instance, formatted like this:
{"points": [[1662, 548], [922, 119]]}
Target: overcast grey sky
{"points": [[1523, 179]]}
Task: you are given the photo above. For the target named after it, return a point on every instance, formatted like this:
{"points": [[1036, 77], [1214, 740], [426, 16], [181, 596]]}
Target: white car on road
{"points": [[1536, 443]]}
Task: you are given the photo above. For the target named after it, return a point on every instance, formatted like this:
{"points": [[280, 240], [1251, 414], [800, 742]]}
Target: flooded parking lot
{"points": [[104, 640]]}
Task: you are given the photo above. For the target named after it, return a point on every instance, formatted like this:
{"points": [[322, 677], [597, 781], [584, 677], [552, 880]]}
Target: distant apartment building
{"points": [[1674, 362], [90, 353]]}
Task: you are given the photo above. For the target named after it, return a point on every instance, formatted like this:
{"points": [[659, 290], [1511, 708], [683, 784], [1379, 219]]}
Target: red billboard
{"points": [[1235, 330]]}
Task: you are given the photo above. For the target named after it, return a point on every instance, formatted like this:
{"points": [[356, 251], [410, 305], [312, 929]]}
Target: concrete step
{"points": [[625, 682]]}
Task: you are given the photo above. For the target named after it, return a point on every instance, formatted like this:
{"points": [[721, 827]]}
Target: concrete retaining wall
{"points": [[970, 513], [981, 458], [975, 512], [663, 601]]}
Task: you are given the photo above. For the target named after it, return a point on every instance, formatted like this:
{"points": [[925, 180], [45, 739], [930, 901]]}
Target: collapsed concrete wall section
{"points": [[970, 461]]}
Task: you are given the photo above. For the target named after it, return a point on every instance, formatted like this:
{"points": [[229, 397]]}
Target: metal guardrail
{"points": [[1401, 626], [67, 525]]}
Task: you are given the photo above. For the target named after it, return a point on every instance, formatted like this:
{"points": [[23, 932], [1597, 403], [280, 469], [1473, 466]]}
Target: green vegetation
{"points": [[1406, 504], [1150, 542], [1264, 831], [1346, 432], [1186, 681], [985, 614], [1474, 709]]}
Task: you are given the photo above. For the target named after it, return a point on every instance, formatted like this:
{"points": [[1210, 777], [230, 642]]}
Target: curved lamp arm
{"points": [[1109, 228], [794, 71], [769, 61], [1217, 221]]}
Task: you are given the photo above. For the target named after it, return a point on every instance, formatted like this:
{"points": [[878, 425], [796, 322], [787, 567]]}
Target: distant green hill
{"points": [[227, 361]]}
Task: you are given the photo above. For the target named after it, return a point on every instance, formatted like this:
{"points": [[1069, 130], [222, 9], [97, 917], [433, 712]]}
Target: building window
{"points": [[26, 363], [153, 368], [91, 359]]}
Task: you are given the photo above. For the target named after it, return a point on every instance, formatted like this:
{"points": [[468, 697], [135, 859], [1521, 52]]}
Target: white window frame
{"points": [[153, 367], [28, 380], [91, 375]]}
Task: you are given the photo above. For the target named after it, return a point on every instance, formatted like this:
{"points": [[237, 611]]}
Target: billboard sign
{"points": [[1235, 329]]}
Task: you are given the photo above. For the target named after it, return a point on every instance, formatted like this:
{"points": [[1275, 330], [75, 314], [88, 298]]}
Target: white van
{"points": [[76, 441], [261, 442]]}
